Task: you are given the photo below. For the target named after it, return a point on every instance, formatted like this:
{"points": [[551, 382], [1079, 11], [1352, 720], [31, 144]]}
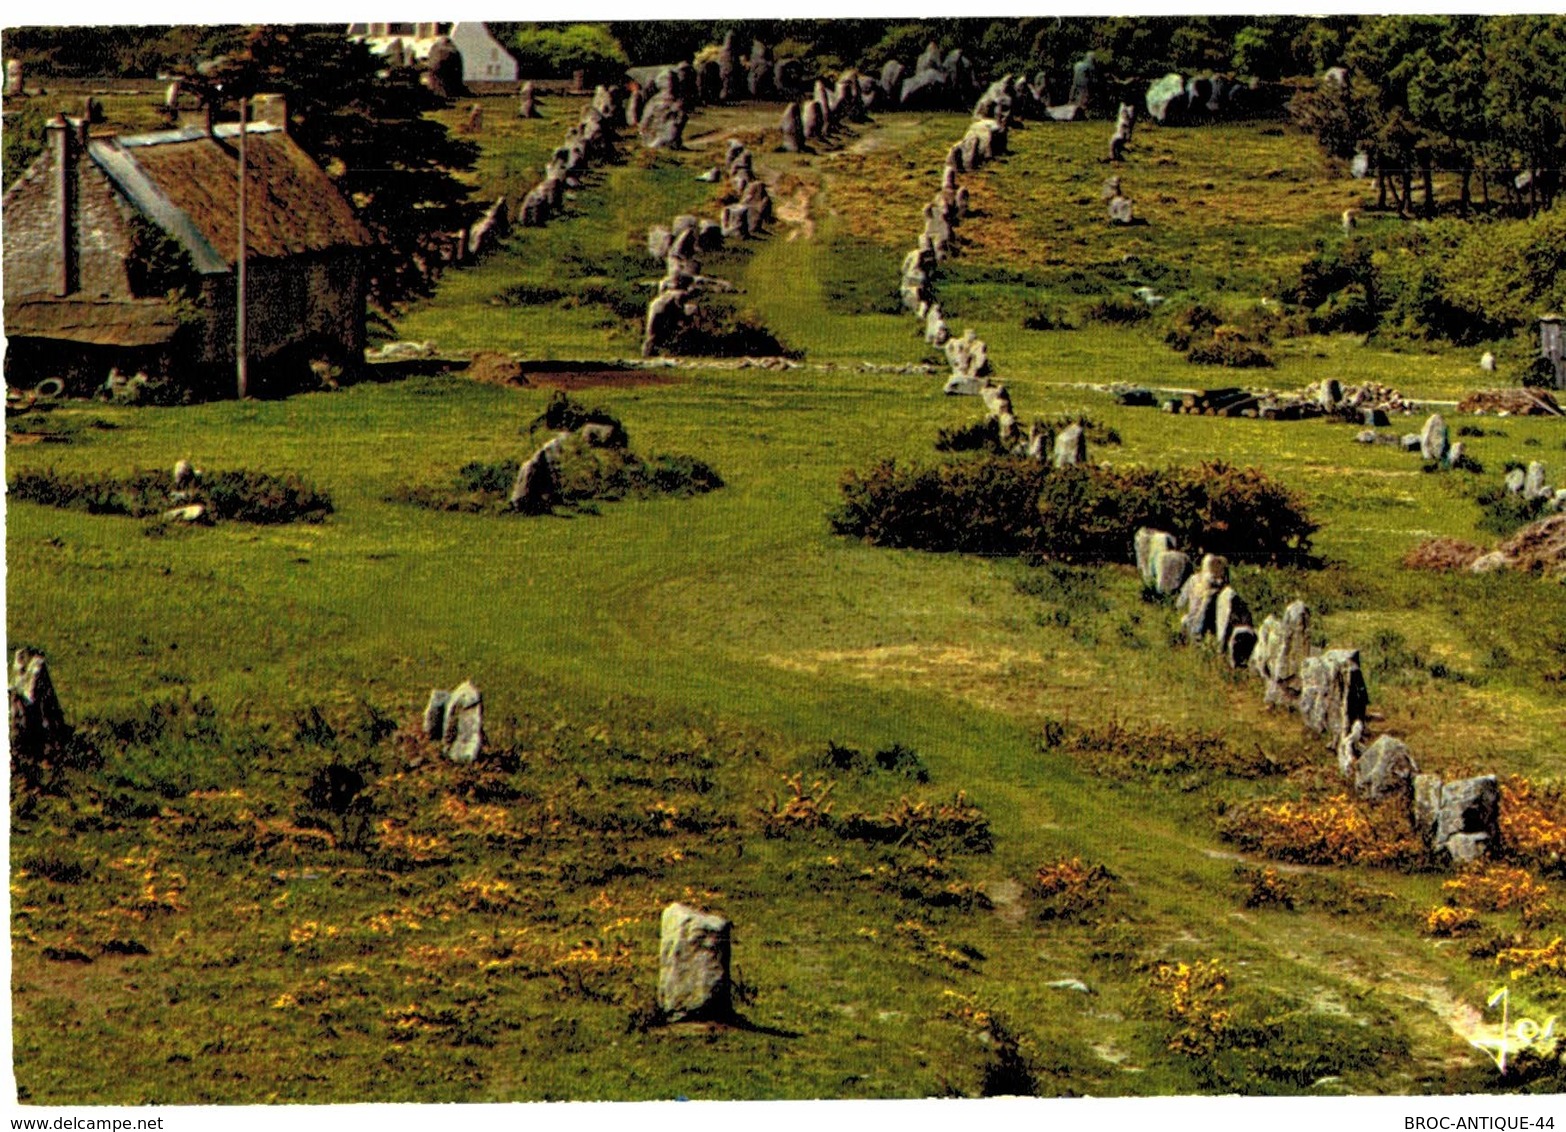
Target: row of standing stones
{"points": [[678, 292], [1459, 821], [987, 138], [591, 140]]}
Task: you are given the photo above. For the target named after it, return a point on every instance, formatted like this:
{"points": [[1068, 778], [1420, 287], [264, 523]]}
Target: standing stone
{"points": [[535, 489], [1170, 570], [1487, 362], [736, 222], [1198, 598], [1385, 769], [1229, 614], [1533, 481], [1120, 210], [1242, 642], [1433, 439], [1455, 455], [1516, 480], [1460, 819], [1147, 544], [434, 722], [37, 721], [793, 128], [997, 401], [184, 475], [811, 123], [728, 65], [463, 734], [693, 965], [14, 76], [527, 101], [1333, 696], [1071, 446]]}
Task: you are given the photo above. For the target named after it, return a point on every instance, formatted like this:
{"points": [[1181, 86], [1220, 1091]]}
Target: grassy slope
{"points": [[739, 615]]}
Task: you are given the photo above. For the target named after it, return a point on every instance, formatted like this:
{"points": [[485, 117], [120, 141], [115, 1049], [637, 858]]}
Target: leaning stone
{"points": [[1332, 693], [1071, 446], [463, 733], [1433, 438], [434, 722], [1170, 570], [1384, 770], [693, 965], [184, 475]]}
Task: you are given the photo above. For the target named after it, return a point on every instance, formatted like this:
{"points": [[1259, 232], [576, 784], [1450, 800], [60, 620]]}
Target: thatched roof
{"points": [[186, 181]]}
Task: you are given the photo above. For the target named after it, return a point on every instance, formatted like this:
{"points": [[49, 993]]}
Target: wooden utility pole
{"points": [[241, 353]]}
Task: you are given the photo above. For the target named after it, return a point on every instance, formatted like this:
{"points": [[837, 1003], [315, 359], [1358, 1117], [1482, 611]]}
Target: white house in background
{"points": [[484, 60]]}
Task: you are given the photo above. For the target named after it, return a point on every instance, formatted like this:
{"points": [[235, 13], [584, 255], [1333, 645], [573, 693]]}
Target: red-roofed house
{"points": [[120, 251]]}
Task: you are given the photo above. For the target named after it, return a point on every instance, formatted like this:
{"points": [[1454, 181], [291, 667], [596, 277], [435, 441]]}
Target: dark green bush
{"points": [[720, 331], [1090, 514], [562, 414], [1003, 505], [1118, 311], [978, 506], [1189, 323], [1230, 347], [1503, 512], [980, 436], [243, 496]]}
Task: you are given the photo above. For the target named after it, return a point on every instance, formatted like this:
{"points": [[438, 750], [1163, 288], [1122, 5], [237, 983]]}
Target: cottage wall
{"points": [[32, 232], [311, 303]]}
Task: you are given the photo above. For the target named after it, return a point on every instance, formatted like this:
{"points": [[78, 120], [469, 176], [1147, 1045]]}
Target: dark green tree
{"points": [[367, 126]]}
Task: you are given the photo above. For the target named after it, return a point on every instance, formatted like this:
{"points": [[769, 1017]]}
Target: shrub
{"points": [[1002, 505], [1337, 831], [1118, 310], [1068, 889], [719, 331], [981, 436], [1232, 347], [935, 827], [562, 414], [1091, 514], [985, 506], [1194, 996], [1533, 823], [1445, 921], [1266, 888], [801, 807], [1190, 323], [1502, 512], [1047, 318]]}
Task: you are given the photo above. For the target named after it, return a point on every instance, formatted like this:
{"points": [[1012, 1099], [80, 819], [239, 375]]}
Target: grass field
{"points": [[655, 674]]}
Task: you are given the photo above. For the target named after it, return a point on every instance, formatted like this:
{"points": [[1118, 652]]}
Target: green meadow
{"points": [[675, 688]]}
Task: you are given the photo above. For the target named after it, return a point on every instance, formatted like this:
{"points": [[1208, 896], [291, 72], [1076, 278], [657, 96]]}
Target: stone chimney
{"points": [[270, 108], [66, 139]]}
